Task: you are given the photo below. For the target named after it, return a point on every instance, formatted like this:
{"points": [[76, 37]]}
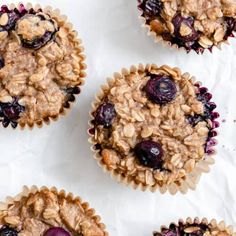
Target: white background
{"points": [[59, 154]]}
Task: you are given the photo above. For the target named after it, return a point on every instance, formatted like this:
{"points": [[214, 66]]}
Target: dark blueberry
{"points": [[179, 20], [73, 90], [152, 8], [10, 113], [12, 18], [7, 231], [149, 153], [211, 106], [39, 41], [160, 89], [105, 114], [230, 26], [57, 231], [212, 133], [2, 63], [203, 90]]}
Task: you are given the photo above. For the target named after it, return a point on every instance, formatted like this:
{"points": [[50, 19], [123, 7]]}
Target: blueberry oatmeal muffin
{"points": [[48, 212], [41, 65], [190, 24], [153, 127], [196, 228]]}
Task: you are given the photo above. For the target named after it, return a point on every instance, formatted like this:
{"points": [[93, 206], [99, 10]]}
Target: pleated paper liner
{"points": [[221, 226], [191, 180], [27, 191], [61, 21], [159, 39]]}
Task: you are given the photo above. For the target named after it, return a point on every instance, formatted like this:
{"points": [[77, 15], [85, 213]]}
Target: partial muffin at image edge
{"points": [[41, 65], [189, 24], [48, 212], [196, 227], [153, 128]]}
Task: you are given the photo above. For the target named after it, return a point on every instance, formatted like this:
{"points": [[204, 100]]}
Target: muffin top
{"points": [[153, 125], [47, 213], [195, 228], [191, 24], [41, 65]]}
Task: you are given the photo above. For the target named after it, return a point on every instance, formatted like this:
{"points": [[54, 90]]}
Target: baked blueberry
{"points": [[57, 231], [35, 30], [152, 8], [183, 28], [160, 89], [105, 114], [10, 112], [149, 153], [7, 231]]}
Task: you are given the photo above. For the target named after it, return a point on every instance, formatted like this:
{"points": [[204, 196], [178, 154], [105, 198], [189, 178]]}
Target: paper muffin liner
{"points": [[219, 225], [192, 179], [61, 20], [26, 191], [168, 44]]}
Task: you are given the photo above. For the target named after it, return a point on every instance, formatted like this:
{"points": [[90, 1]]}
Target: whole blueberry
{"points": [[152, 8], [57, 231], [160, 89], [7, 231], [105, 114], [189, 39], [149, 153]]}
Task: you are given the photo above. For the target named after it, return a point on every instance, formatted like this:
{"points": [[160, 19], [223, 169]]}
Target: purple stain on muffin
{"points": [[10, 112], [149, 154], [209, 116], [7, 231], [105, 114], [160, 89], [56, 231]]}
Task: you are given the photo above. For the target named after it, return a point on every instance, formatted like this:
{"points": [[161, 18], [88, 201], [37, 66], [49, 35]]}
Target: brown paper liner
{"points": [[219, 225], [192, 179], [34, 189], [61, 20], [168, 44]]}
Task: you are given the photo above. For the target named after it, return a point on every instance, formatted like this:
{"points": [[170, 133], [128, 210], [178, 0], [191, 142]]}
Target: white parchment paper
{"points": [[59, 154]]}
